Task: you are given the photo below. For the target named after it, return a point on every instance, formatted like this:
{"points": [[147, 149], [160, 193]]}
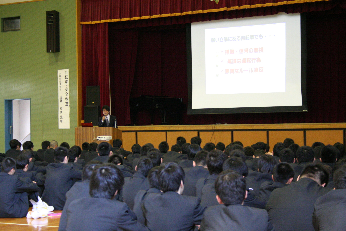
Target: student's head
{"points": [[144, 165], [260, 145], [339, 178], [238, 153], [22, 161], [185, 149], [315, 144], [117, 143], [288, 142], [153, 177], [341, 149], [163, 147], [136, 149], [93, 147], [236, 164], [294, 148], [65, 145], [106, 110], [115, 159], [305, 154], [286, 155], [220, 146], [230, 188], [209, 146], [76, 149], [266, 164], [181, 140], [215, 161], [85, 146], [104, 149], [200, 158], [106, 180], [316, 172], [237, 143], [155, 157], [15, 144], [28, 145], [89, 168], [196, 140], [283, 173], [60, 154], [8, 165], [194, 148], [329, 154], [171, 176], [144, 149], [249, 151], [53, 144], [277, 149], [45, 144], [176, 148]]}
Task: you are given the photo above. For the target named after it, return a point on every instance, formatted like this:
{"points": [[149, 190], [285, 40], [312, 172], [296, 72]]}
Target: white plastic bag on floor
{"points": [[39, 209]]}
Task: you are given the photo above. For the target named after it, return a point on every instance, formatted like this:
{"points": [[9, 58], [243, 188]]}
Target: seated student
{"points": [[22, 165], [230, 214], [305, 155], [101, 211], [59, 179], [13, 191], [104, 150], [282, 176], [92, 153], [291, 207], [205, 186], [330, 209], [49, 153], [77, 191], [40, 152], [14, 151], [85, 150], [163, 147], [118, 161], [170, 210], [137, 182], [154, 188], [155, 157]]}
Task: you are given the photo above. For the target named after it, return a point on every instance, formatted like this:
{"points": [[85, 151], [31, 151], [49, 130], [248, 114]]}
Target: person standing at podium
{"points": [[107, 120]]}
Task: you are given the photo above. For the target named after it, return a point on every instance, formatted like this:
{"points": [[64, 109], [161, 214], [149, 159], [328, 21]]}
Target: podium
{"points": [[90, 134]]}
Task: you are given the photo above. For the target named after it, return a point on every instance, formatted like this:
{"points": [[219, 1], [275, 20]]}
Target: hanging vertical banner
{"points": [[64, 98]]}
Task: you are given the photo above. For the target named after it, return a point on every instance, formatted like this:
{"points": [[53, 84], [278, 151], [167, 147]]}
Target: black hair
{"points": [[236, 164], [305, 154], [153, 177], [339, 178], [105, 181], [238, 153], [106, 107], [259, 145], [315, 144], [266, 163], [85, 146], [316, 172], [237, 143], [22, 160], [28, 145], [282, 172], [136, 148], [144, 149], [249, 151], [8, 164], [115, 159], [65, 145], [286, 155], [185, 149], [288, 142], [236, 146], [209, 146], [89, 168], [45, 144], [117, 143], [259, 152], [220, 146], [176, 148], [163, 147], [155, 157], [59, 154], [104, 149], [194, 148], [93, 146], [144, 165], [329, 154], [231, 188], [196, 140], [14, 143], [341, 149], [277, 149], [200, 158], [215, 161], [181, 140], [76, 149], [170, 176], [294, 148]]}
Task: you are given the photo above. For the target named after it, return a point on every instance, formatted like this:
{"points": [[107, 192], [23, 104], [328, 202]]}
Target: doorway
{"points": [[17, 121]]}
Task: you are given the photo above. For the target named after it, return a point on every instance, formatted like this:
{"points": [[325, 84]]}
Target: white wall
{"points": [[21, 120]]}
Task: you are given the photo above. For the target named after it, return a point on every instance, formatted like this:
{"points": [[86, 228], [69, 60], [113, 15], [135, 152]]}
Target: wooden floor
{"points": [[23, 224]]}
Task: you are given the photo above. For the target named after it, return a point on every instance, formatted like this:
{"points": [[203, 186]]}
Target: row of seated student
{"points": [[182, 189]]}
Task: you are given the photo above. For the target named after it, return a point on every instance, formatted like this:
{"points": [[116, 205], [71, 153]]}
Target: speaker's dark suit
{"points": [[171, 211], [330, 210], [112, 120], [291, 207], [235, 217], [101, 214]]}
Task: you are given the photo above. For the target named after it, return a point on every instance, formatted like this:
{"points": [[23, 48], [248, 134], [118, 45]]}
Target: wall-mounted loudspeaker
{"points": [[91, 114], [93, 95], [53, 37]]}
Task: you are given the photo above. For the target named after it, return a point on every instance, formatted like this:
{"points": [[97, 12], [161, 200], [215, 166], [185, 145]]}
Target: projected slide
{"points": [[247, 59]]}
